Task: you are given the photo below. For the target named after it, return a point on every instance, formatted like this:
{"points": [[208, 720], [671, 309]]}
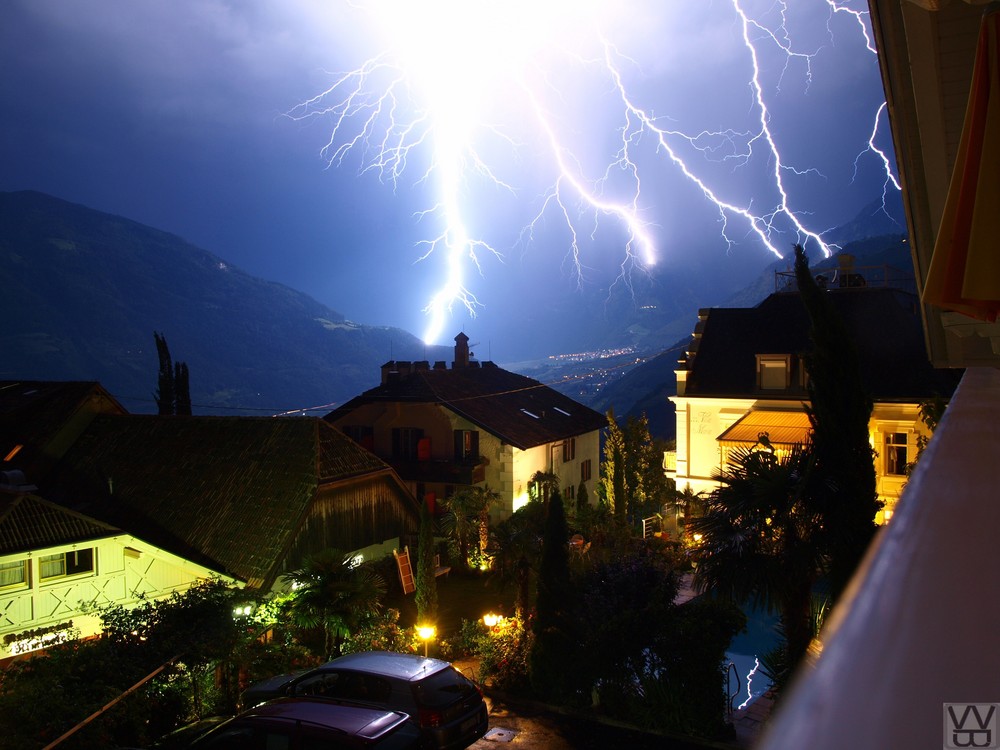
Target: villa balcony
{"points": [[442, 472]]}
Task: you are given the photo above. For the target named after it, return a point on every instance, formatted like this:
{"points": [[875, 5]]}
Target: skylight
{"points": [[533, 416], [561, 411]]}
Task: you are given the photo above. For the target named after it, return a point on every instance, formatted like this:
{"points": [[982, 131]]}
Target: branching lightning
{"points": [[459, 80]]}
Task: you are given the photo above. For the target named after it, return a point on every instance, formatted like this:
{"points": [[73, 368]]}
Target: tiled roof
{"points": [[234, 489], [517, 409], [883, 323], [27, 522], [41, 416]]}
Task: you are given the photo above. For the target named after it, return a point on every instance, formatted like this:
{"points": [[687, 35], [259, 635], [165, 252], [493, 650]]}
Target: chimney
{"points": [[421, 366], [387, 368], [461, 351]]}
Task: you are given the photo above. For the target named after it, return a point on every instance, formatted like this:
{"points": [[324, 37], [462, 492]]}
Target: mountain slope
{"points": [[84, 291]]}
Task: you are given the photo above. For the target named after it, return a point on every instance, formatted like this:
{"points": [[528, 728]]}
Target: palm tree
{"points": [[759, 539], [332, 592], [468, 518]]}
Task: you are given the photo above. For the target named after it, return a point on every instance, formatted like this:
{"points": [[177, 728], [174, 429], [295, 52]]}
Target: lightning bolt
{"points": [[460, 81], [750, 674]]}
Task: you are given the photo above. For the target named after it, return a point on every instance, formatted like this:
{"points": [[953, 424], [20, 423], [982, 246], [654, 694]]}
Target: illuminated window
{"points": [[62, 564], [14, 574], [569, 449], [466, 445], [773, 371], [585, 470], [895, 453]]}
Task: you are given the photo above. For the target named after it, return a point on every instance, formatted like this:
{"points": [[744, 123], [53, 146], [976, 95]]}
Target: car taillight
{"points": [[429, 717]]}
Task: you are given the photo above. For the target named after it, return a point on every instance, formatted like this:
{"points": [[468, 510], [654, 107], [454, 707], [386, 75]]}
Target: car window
{"points": [[345, 685], [249, 738], [443, 688], [325, 684]]}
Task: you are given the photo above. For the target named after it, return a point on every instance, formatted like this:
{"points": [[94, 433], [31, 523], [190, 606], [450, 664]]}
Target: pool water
{"points": [[746, 679]]}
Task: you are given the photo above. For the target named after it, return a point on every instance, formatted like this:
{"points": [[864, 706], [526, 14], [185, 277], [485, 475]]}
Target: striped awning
{"points": [[782, 427]]}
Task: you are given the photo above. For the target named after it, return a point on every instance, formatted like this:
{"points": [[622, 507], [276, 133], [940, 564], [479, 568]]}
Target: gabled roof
{"points": [[883, 323], [45, 417], [229, 490], [28, 522], [517, 409]]}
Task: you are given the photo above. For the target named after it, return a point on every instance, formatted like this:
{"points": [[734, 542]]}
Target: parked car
{"points": [[447, 707], [312, 724]]}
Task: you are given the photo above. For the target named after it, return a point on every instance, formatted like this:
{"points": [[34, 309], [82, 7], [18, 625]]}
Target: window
{"points": [[570, 493], [895, 453], [362, 434], [72, 563], [569, 449], [466, 445], [404, 442], [14, 573], [585, 470], [773, 371]]}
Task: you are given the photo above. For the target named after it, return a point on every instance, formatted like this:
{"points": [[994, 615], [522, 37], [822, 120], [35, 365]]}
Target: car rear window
{"points": [[443, 688]]}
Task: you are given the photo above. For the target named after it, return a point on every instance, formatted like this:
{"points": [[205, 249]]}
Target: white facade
{"points": [[43, 593], [893, 432]]}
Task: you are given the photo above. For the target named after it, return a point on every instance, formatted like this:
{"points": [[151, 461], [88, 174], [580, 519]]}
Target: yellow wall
{"points": [[700, 421]]}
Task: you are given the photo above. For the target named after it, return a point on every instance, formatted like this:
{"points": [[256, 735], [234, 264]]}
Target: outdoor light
{"points": [[426, 633], [490, 620]]}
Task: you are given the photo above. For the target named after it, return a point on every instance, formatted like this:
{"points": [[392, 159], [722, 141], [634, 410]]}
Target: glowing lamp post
{"points": [[426, 633], [490, 620]]}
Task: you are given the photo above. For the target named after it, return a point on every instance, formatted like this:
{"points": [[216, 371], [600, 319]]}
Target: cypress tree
{"points": [[843, 475], [182, 389], [165, 395], [552, 648], [426, 582]]}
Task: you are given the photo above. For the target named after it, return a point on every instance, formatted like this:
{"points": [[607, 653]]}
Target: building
{"points": [[112, 507], [744, 377], [52, 559], [474, 424], [909, 657]]}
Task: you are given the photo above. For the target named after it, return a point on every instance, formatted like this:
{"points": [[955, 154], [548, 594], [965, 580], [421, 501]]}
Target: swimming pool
{"points": [[746, 679]]}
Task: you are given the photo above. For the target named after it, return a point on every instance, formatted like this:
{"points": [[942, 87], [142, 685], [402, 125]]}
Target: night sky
{"points": [[175, 113]]}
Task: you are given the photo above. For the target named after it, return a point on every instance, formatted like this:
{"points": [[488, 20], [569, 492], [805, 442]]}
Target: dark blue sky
{"points": [[173, 113]]}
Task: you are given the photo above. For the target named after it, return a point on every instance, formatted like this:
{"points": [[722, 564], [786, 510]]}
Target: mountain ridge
{"points": [[85, 290]]}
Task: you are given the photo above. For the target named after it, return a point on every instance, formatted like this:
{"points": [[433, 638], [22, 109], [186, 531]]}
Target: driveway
{"points": [[521, 725]]}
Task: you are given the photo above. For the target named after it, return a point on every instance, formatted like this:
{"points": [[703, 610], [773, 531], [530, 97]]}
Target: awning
{"points": [[964, 273], [782, 428]]}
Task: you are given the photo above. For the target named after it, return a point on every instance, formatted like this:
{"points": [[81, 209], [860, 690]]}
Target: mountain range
{"points": [[84, 292]]}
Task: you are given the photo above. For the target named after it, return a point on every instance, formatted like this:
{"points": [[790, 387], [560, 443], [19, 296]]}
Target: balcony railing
{"points": [[444, 472], [916, 632]]}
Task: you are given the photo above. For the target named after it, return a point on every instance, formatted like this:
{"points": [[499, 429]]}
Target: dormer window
{"points": [[774, 371]]}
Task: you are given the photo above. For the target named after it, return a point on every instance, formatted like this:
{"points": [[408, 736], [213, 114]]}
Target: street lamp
{"points": [[426, 633]]}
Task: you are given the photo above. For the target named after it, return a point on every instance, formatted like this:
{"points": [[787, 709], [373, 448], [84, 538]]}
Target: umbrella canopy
{"points": [[964, 274]]}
